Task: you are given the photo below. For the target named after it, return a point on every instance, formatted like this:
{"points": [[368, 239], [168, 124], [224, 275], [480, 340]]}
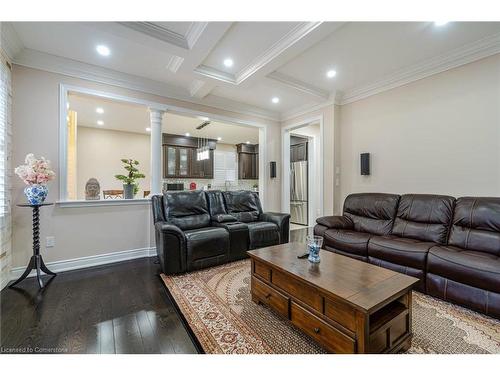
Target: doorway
{"points": [[302, 172]]}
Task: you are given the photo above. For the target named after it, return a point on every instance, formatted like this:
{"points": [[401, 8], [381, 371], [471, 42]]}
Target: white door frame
{"points": [[285, 170]]}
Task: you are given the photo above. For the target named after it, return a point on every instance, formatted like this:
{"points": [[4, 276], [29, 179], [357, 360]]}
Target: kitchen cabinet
{"points": [[176, 161], [201, 168], [248, 161], [180, 162]]}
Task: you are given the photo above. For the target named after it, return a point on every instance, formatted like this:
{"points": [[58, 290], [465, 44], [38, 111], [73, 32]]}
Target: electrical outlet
{"points": [[50, 241]]}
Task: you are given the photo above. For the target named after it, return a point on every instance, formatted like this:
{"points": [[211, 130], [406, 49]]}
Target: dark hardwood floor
{"points": [[117, 308]]}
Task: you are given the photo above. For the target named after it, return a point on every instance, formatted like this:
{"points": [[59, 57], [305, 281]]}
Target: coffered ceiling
{"points": [[242, 66]]}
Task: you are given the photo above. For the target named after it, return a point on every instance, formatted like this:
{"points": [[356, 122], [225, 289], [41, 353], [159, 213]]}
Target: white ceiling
{"points": [[134, 118], [284, 59]]}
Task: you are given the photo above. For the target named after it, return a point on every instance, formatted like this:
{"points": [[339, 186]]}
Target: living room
{"points": [[252, 187]]}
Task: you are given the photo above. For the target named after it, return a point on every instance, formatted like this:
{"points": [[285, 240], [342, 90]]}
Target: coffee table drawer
{"points": [[326, 335], [262, 270], [270, 297], [298, 290]]}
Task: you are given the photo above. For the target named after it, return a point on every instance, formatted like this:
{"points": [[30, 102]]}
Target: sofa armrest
{"points": [[335, 222], [170, 247], [223, 218], [281, 220]]}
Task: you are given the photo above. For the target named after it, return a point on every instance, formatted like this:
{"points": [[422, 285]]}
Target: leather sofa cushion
{"points": [[243, 204], [262, 233], [404, 251], [338, 222], [424, 217], [371, 212], [216, 203], [186, 209], [347, 241], [206, 242], [476, 225], [475, 268]]}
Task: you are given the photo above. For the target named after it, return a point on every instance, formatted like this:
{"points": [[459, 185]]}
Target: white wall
{"points": [[437, 135], [99, 154], [87, 231]]}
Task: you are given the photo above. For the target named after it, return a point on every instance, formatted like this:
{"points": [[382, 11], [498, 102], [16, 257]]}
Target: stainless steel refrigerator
{"points": [[298, 193]]}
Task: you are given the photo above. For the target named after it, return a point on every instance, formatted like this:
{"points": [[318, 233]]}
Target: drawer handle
{"points": [[316, 330], [268, 296]]}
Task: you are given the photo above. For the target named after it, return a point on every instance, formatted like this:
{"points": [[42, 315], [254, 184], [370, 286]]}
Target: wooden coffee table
{"points": [[346, 305]]}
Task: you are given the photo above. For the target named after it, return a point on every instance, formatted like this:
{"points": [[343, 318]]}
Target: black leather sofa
{"points": [[451, 245], [198, 229]]}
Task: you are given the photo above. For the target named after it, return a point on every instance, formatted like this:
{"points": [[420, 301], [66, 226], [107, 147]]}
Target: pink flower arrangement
{"points": [[35, 171]]}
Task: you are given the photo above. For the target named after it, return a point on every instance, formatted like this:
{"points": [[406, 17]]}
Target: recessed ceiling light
{"points": [[100, 122], [99, 110], [103, 50], [440, 23], [247, 142], [331, 73], [219, 138], [148, 129], [228, 62], [275, 100], [188, 135]]}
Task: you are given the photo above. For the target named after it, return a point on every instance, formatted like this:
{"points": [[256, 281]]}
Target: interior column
{"points": [[156, 116]]}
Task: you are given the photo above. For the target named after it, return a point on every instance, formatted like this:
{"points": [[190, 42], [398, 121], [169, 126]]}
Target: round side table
{"points": [[36, 261]]}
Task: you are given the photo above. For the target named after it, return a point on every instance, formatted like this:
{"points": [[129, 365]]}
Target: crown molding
{"points": [[72, 68], [174, 63], [158, 32], [11, 44], [217, 74], [298, 85], [285, 42], [285, 116], [464, 55], [194, 32], [288, 40], [162, 33]]}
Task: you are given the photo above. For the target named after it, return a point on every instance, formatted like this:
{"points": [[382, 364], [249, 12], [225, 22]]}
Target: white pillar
{"points": [[155, 116]]}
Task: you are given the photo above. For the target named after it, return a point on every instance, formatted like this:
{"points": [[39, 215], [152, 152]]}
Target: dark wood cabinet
{"points": [[179, 158], [201, 168], [248, 161], [176, 161]]}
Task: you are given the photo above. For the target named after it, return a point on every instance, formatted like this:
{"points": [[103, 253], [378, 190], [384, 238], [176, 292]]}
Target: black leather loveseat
{"points": [[451, 245], [198, 229]]}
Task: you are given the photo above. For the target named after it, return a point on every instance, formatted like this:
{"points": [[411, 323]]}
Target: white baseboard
{"points": [[90, 261]]}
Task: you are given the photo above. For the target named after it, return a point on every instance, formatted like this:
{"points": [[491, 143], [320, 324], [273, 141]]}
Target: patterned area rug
{"points": [[217, 305]]}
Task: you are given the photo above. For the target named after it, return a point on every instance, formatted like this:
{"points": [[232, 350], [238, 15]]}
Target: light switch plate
{"points": [[50, 241]]}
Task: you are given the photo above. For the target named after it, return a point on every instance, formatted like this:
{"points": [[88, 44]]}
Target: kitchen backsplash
{"points": [[235, 185]]}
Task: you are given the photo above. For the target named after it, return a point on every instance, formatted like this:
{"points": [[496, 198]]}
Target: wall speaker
{"points": [[273, 169], [365, 164]]}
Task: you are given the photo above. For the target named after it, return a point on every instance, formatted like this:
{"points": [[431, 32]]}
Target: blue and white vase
{"points": [[36, 193]]}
